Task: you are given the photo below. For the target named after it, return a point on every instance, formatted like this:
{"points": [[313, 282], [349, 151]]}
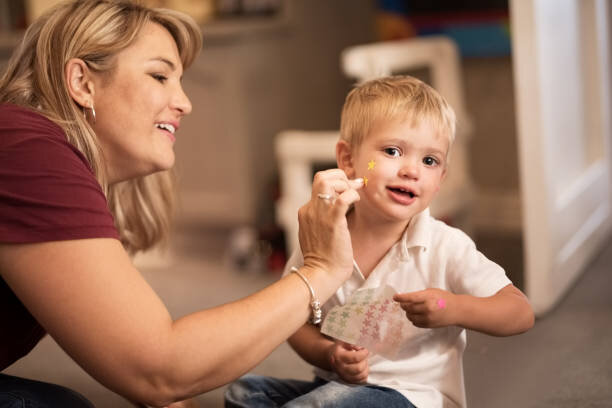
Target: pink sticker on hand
{"points": [[441, 303]]}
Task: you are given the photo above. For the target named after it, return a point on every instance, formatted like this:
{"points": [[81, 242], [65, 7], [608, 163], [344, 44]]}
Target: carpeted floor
{"points": [[564, 362]]}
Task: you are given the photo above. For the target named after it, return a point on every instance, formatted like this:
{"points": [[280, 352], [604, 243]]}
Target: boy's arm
{"points": [[312, 346], [506, 313]]}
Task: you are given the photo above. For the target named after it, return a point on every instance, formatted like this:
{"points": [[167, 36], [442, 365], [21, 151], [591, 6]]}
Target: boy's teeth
{"points": [[401, 190]]}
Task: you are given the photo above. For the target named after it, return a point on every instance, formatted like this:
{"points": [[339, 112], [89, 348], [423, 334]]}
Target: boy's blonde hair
{"points": [[95, 31], [395, 97]]}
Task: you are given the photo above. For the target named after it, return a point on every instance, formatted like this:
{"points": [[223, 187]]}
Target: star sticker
{"points": [[371, 164], [365, 181]]}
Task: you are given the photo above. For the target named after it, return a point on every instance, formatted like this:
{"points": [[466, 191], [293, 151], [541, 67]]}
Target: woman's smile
{"points": [[169, 129]]}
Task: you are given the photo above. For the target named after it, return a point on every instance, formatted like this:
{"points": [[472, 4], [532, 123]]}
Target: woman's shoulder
{"points": [[29, 138], [20, 122], [47, 188]]}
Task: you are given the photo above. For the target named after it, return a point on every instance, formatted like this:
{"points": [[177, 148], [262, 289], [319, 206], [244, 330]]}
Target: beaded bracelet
{"points": [[315, 305]]}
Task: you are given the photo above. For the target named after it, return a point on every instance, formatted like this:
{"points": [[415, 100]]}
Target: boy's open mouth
{"points": [[402, 191]]}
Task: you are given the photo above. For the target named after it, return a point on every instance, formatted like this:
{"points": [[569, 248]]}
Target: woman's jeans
{"points": [[18, 392], [255, 391]]}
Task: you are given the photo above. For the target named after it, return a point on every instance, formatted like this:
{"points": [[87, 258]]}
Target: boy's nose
{"points": [[409, 169]]}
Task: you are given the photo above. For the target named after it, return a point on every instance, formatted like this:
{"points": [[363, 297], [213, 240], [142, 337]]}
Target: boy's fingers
{"points": [[353, 356], [410, 297], [347, 346], [353, 370], [415, 308]]}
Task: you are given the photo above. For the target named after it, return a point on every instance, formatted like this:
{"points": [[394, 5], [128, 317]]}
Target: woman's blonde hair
{"points": [[399, 97], [95, 31]]}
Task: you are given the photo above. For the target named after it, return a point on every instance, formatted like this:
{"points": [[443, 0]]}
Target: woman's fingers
{"points": [[344, 201], [323, 232], [333, 182]]}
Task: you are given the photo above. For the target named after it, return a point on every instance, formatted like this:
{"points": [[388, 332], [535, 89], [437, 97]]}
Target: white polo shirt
{"points": [[430, 254]]}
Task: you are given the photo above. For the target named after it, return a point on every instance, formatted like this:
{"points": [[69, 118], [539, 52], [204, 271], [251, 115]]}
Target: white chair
{"points": [[298, 151]]}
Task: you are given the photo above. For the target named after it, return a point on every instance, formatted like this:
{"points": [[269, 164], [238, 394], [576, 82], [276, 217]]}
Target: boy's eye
{"points": [[430, 161], [392, 151]]}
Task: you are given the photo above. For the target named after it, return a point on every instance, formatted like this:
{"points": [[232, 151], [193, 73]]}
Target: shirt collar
{"points": [[417, 234]]}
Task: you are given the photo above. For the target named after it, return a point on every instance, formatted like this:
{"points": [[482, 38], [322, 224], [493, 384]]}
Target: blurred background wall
{"points": [[272, 65], [258, 78]]}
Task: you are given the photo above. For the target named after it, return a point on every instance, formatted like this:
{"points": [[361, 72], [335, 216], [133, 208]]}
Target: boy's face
{"points": [[404, 166]]}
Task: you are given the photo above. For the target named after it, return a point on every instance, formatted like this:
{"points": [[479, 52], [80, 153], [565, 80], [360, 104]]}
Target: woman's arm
{"points": [[97, 306], [506, 313]]}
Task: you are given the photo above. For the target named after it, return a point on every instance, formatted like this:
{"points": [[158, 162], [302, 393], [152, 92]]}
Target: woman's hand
{"points": [[324, 237], [350, 362]]}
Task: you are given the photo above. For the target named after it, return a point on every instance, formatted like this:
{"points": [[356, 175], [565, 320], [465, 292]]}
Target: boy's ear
{"points": [[80, 83], [344, 158]]}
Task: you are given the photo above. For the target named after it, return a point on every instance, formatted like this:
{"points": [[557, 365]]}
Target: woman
{"points": [[89, 106]]}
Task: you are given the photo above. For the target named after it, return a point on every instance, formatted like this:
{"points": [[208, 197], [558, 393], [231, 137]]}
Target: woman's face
{"points": [[139, 106]]}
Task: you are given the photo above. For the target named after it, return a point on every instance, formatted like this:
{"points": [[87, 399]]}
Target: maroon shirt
{"points": [[47, 193]]}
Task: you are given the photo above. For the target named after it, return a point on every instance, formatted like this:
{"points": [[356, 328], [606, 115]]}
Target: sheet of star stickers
{"points": [[370, 318]]}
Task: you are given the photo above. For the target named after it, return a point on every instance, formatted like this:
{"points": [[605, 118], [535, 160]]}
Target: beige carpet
{"points": [[565, 361]]}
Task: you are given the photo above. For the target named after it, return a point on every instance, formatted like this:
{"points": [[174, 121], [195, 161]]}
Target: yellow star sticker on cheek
{"points": [[371, 164], [365, 181]]}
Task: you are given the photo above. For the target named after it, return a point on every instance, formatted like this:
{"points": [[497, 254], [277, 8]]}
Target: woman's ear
{"points": [[344, 158], [79, 82]]}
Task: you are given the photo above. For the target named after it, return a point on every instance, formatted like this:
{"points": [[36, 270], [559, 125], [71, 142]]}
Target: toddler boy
{"points": [[396, 133]]}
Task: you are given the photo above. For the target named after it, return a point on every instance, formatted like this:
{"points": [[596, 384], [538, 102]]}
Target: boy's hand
{"points": [[428, 308], [350, 362]]}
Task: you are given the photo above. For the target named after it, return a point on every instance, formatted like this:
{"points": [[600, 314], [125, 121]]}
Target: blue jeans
{"points": [[18, 392], [254, 391]]}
